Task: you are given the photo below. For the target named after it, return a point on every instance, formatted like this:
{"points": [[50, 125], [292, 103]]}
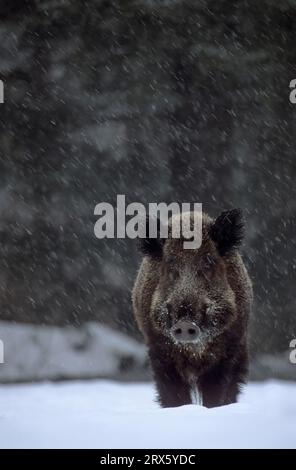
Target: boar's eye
{"points": [[171, 268], [207, 262], [173, 273]]}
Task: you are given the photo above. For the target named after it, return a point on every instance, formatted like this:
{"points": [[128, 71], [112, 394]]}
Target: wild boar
{"points": [[193, 306]]}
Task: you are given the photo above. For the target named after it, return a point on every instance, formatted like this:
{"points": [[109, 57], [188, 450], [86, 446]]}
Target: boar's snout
{"points": [[185, 331]]}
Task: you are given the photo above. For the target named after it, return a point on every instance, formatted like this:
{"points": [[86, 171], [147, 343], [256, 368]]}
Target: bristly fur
{"points": [[217, 297], [228, 231]]}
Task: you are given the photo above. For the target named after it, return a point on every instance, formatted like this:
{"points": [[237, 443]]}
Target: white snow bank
{"points": [[33, 352], [104, 414]]}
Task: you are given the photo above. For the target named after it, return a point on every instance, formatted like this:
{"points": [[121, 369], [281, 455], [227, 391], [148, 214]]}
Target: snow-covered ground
{"points": [[104, 414]]}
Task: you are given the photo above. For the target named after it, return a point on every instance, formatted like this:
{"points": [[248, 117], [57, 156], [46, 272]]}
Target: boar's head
{"points": [[193, 302]]}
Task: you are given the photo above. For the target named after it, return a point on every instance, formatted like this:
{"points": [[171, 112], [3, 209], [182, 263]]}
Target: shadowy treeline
{"points": [[161, 101]]}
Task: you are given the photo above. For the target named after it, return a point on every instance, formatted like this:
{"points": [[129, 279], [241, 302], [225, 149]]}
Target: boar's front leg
{"points": [[172, 390], [216, 393], [219, 388], [213, 390], [221, 385]]}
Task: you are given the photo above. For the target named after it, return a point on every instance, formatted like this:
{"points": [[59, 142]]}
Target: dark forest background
{"points": [[183, 101]]}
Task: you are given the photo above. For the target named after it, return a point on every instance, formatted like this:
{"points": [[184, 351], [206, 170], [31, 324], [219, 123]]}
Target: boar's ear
{"points": [[151, 246], [228, 231]]}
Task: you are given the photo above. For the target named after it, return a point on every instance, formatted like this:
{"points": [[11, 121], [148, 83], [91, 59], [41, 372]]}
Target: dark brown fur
{"points": [[209, 286]]}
